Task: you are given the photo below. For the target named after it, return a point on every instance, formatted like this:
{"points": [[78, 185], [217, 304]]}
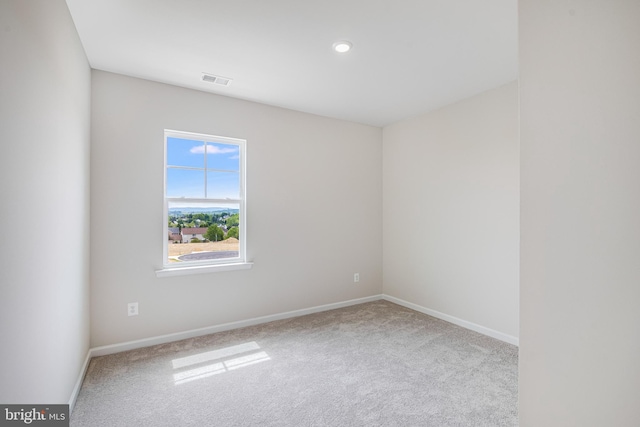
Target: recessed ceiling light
{"points": [[342, 46]]}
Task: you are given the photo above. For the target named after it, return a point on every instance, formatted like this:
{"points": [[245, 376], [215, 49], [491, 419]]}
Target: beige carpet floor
{"points": [[373, 364]]}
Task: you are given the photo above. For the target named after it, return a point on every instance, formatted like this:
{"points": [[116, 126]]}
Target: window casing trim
{"points": [[201, 269], [223, 264]]}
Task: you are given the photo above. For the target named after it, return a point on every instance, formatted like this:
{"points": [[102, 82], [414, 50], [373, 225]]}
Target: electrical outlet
{"points": [[132, 309], [356, 277]]}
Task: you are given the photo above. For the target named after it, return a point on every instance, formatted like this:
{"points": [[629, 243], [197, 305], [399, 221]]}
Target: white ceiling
{"points": [[408, 56]]}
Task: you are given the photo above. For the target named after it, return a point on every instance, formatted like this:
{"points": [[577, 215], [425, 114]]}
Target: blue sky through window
{"points": [[185, 152], [186, 169]]}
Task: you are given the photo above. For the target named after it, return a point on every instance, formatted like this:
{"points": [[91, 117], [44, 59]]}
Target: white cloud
{"points": [[213, 149]]}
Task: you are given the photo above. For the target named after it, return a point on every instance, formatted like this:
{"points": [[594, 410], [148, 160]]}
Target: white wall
{"points": [[451, 210], [580, 265], [44, 184], [314, 190]]}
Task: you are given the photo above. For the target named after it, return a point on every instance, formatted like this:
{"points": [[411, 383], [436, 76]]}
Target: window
{"points": [[204, 209]]}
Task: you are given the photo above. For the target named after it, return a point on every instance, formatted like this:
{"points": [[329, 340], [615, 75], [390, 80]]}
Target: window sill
{"points": [[200, 269]]}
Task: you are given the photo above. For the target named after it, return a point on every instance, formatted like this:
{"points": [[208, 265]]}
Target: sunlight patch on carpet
{"points": [[219, 366]]}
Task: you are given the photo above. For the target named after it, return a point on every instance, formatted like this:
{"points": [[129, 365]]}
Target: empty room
{"points": [[356, 213]]}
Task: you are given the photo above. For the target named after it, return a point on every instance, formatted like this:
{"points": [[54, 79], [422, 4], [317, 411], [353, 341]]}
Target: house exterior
{"points": [[174, 234], [193, 232]]}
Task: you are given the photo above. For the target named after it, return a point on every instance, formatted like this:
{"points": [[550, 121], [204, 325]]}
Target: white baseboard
{"points": [[456, 321], [76, 388], [162, 339]]}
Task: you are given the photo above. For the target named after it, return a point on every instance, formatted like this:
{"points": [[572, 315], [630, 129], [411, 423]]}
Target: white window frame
{"points": [[205, 266]]}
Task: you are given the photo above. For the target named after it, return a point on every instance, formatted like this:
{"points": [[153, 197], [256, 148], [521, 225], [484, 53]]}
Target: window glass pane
{"points": [[223, 185], [185, 152], [202, 232], [223, 156], [185, 183]]}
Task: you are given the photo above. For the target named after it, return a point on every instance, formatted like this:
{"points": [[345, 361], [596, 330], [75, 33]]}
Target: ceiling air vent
{"points": [[222, 81]]}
